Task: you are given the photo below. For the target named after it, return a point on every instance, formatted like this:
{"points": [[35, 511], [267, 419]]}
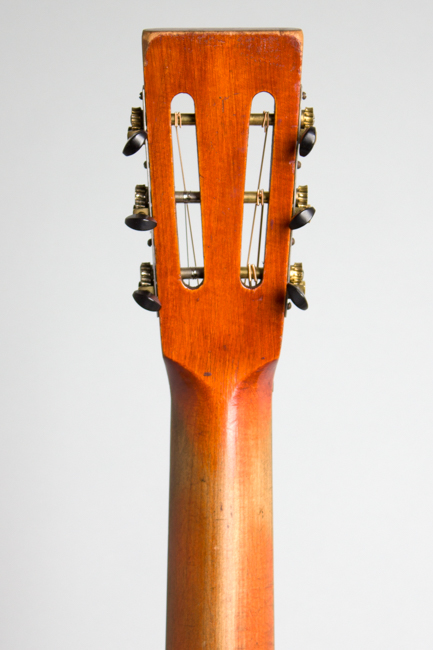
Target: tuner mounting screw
{"points": [[304, 95], [303, 212], [149, 242], [298, 164]]}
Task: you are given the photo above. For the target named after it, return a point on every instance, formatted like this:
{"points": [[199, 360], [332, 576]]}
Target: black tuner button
{"points": [[302, 218], [140, 221], [307, 142], [147, 300], [135, 142], [303, 212], [298, 298]]}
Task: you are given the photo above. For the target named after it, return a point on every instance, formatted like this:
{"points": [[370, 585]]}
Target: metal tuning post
{"points": [[308, 135], [140, 218], [296, 286], [303, 212], [145, 294], [137, 136]]}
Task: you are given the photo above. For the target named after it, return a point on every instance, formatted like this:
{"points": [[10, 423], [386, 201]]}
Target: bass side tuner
{"points": [[308, 135], [303, 212], [296, 287]]}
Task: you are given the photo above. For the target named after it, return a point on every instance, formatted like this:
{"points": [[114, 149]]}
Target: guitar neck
{"points": [[221, 314], [220, 554]]}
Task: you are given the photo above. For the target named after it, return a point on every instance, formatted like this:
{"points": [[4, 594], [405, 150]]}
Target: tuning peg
{"points": [[303, 212], [302, 218], [135, 143], [140, 221], [296, 286], [145, 294], [308, 135], [140, 218], [146, 300], [308, 140], [137, 136], [296, 296]]}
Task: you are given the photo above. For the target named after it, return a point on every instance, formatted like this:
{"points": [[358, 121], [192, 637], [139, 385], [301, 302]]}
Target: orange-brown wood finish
{"points": [[222, 340]]}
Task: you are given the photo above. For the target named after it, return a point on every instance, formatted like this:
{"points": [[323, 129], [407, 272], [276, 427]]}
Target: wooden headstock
{"points": [[206, 328]]}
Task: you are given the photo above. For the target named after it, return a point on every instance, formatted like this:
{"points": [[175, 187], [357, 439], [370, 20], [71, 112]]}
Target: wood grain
{"points": [[222, 340]]}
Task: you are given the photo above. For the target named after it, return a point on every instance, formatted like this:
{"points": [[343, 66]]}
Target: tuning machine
{"points": [[303, 212], [296, 286], [308, 136], [140, 218], [145, 294], [137, 136]]}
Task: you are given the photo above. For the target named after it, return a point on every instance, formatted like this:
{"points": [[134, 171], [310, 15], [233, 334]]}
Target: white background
{"points": [[85, 401]]}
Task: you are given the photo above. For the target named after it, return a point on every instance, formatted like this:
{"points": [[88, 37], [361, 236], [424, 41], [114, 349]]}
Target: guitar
{"points": [[221, 306]]}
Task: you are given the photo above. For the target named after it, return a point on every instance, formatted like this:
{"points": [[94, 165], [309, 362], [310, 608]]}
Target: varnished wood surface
{"points": [[222, 340]]}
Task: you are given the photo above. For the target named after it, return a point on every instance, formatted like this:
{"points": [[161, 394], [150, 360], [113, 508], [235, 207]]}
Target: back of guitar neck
{"points": [[221, 333]]}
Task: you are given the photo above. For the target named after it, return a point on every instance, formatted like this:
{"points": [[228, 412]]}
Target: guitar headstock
{"points": [[226, 314]]}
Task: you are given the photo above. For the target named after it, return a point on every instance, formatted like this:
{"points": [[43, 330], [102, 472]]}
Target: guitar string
{"points": [[259, 201], [177, 125]]}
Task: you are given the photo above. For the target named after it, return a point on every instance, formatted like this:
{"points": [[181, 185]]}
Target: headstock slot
{"points": [[258, 175], [187, 185]]}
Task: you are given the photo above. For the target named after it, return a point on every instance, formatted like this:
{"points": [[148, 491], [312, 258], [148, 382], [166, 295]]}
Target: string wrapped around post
{"points": [[260, 202]]}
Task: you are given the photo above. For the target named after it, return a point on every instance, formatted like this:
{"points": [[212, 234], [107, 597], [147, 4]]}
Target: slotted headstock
{"points": [[224, 325], [222, 313]]}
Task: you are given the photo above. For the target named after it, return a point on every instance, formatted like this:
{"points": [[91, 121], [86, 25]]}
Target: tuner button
{"points": [[147, 300], [303, 211], [298, 298], [308, 140], [302, 218], [135, 142], [140, 221]]}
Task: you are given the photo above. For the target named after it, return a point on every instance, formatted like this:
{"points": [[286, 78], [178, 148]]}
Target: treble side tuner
{"points": [[145, 294], [146, 300], [140, 222], [137, 136], [134, 143], [140, 218]]}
